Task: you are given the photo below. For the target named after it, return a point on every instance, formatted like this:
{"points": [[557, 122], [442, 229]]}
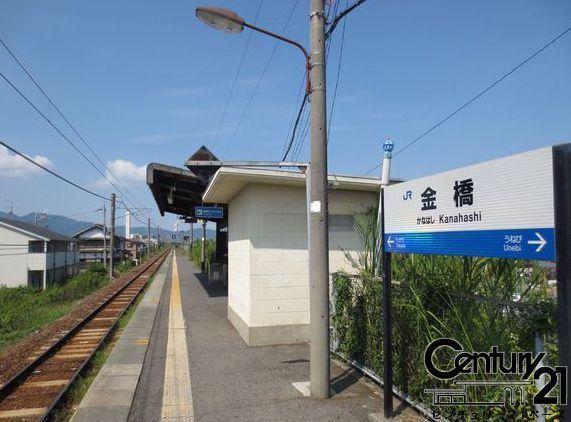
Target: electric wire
{"points": [[295, 127], [260, 78], [476, 97], [236, 76], [342, 15], [67, 121], [338, 76], [291, 125], [69, 141], [297, 146], [53, 173]]}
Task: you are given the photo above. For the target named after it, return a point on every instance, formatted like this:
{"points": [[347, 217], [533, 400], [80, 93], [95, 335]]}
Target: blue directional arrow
{"points": [[532, 244]]}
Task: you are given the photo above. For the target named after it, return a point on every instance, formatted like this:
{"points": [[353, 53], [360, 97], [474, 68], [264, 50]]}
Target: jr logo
{"points": [[407, 195]]}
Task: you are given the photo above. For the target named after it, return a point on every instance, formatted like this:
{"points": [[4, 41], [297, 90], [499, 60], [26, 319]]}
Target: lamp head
{"points": [[222, 19]]}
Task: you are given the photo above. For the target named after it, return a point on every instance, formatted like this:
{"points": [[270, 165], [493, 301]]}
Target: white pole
{"points": [[388, 147]]}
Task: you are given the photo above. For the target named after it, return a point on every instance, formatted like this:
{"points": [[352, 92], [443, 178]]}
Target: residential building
{"points": [[35, 256], [92, 243], [135, 247]]}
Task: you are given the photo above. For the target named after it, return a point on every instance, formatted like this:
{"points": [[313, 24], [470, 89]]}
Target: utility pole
{"points": [[148, 238], [203, 250], [112, 237], [318, 208], [104, 236]]}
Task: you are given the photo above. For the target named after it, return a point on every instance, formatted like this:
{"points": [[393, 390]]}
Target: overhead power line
{"points": [[477, 96], [68, 140], [304, 102], [297, 147], [67, 121], [236, 76], [260, 78], [341, 15], [53, 173], [338, 75]]}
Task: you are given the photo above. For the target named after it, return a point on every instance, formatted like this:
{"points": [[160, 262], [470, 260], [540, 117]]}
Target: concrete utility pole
{"points": [[148, 238], [318, 228], [112, 237], [318, 208], [104, 236], [203, 249]]}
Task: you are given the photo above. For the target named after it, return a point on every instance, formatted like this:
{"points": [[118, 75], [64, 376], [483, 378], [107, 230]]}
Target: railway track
{"points": [[36, 390]]}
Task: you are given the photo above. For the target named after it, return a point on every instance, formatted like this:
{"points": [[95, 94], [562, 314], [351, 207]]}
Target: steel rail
{"points": [[18, 379]]}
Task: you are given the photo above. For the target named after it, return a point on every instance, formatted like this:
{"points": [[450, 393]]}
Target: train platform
{"points": [[195, 366]]}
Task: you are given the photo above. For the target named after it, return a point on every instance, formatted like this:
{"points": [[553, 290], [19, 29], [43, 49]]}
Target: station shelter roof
{"points": [[228, 181]]}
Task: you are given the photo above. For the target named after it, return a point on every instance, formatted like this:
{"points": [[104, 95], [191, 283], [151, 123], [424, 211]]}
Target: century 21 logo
{"points": [[522, 364]]}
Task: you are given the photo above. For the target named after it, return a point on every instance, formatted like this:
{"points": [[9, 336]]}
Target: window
{"points": [[36, 279], [36, 246]]}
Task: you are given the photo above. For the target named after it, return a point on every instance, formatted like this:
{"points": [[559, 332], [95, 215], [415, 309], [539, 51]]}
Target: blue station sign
{"points": [[502, 209], [209, 212]]}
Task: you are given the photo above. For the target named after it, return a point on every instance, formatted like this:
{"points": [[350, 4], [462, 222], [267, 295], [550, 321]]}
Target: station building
{"points": [[34, 256], [262, 238]]}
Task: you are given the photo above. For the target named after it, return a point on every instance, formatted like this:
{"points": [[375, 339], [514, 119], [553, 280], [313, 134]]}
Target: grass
{"points": [[24, 310], [195, 252], [86, 378]]}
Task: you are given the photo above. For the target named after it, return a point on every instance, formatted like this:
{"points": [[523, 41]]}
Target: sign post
{"points": [[562, 190], [387, 323]]}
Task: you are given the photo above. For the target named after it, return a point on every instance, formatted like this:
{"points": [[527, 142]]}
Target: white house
{"points": [[268, 290], [35, 256]]}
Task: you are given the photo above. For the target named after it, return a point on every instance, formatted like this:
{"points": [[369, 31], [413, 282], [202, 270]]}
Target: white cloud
{"points": [[127, 172], [12, 165]]}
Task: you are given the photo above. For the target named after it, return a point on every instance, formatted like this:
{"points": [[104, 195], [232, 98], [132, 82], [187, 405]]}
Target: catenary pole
{"points": [[112, 237], [148, 237], [318, 239], [104, 236]]}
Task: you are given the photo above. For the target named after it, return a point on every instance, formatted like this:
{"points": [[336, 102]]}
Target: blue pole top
{"points": [[388, 147]]}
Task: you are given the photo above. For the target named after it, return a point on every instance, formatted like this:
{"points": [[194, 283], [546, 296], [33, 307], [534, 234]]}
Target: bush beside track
{"points": [[24, 310]]}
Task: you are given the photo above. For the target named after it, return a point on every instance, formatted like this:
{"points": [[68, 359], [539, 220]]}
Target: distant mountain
{"points": [[69, 227]]}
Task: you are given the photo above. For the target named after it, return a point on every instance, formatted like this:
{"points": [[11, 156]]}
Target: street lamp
{"points": [[232, 23], [318, 232]]}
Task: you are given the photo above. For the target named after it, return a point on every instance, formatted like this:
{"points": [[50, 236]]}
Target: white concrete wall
{"points": [[15, 261], [268, 229], [239, 257]]}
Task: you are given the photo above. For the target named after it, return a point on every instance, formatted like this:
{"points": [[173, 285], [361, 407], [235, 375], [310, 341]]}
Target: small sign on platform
{"points": [[209, 212]]}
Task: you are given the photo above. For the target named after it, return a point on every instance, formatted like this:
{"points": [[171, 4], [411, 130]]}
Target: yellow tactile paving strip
{"points": [[177, 395]]}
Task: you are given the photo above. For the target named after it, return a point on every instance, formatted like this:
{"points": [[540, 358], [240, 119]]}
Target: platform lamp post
{"points": [[230, 22]]}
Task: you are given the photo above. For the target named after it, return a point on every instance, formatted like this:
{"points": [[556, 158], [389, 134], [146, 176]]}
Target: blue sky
{"points": [[145, 81]]}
